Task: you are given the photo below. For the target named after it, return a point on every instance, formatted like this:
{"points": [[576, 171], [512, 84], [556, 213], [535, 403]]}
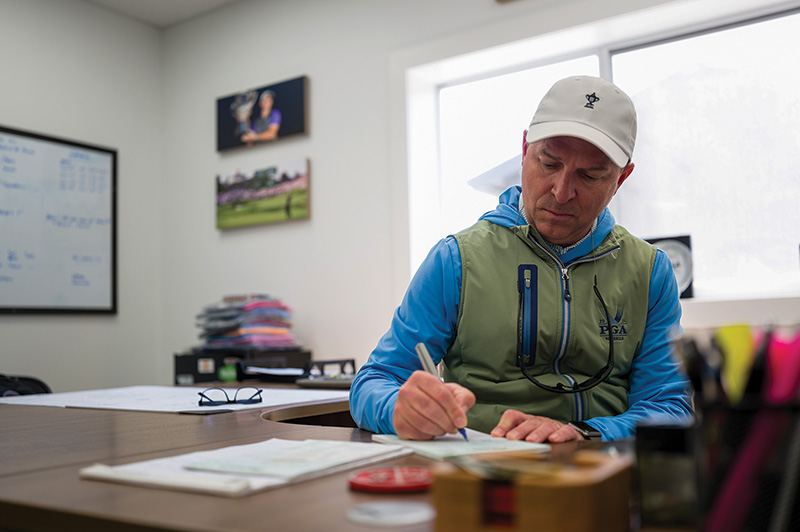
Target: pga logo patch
{"points": [[618, 328]]}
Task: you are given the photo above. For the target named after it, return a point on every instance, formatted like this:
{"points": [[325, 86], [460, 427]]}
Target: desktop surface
{"points": [[43, 449]]}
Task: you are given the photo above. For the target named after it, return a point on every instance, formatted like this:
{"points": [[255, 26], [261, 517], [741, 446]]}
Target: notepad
{"points": [[292, 460], [451, 445], [240, 470]]}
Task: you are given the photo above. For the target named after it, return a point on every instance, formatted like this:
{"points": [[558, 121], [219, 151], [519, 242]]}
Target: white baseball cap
{"points": [[592, 109]]}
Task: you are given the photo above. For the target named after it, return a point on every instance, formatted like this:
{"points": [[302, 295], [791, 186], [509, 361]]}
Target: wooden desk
{"points": [[43, 448]]}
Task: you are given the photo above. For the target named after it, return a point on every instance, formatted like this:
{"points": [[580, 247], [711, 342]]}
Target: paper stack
{"points": [[253, 321], [453, 445], [244, 469]]}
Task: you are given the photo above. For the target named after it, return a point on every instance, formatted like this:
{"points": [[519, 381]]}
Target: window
{"points": [[481, 123], [716, 155]]}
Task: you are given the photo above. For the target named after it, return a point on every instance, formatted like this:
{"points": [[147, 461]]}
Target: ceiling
{"points": [[162, 13]]}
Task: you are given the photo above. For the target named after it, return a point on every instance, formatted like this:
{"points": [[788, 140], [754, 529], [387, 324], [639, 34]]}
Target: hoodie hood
{"points": [[507, 214]]}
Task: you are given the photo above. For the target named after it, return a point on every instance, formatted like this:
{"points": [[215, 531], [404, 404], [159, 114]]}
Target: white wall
{"points": [[71, 70], [340, 271], [82, 72]]}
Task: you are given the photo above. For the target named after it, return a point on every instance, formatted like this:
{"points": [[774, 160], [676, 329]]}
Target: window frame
{"points": [[421, 79]]}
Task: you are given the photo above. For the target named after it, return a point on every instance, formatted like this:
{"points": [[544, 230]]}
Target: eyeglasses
{"points": [[218, 396], [522, 342]]}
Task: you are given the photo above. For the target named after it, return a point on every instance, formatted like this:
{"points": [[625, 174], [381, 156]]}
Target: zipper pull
{"points": [[565, 278], [527, 316], [525, 275]]}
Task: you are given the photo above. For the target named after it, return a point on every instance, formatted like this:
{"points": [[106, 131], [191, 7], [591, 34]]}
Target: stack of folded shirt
{"points": [[255, 321]]}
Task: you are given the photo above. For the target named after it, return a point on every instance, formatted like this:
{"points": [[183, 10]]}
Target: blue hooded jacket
{"points": [[659, 391]]}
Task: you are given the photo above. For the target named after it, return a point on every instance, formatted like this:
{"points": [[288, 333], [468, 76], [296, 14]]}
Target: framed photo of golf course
{"points": [[266, 195]]}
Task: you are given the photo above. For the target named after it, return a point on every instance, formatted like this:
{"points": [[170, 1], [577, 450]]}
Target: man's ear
{"points": [[624, 175], [524, 144]]}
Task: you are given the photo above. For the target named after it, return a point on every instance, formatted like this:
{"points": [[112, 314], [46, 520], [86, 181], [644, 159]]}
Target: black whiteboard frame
{"points": [[112, 307]]}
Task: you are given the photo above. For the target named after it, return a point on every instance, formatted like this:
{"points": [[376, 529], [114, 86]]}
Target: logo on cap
{"points": [[592, 99]]}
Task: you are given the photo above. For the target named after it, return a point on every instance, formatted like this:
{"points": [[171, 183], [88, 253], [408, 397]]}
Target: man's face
{"points": [[566, 184]]}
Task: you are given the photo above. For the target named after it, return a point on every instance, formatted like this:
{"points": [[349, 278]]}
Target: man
{"points": [[553, 322], [266, 125]]}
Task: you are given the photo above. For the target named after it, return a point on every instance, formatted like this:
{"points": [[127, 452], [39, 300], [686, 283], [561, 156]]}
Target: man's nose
{"points": [[563, 188]]}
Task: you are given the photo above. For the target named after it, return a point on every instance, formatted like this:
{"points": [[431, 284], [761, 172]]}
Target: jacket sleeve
{"points": [[427, 314], [659, 389]]}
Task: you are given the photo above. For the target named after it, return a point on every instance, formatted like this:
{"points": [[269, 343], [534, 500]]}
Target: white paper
{"points": [[279, 372], [168, 398], [293, 460], [278, 462], [451, 445]]}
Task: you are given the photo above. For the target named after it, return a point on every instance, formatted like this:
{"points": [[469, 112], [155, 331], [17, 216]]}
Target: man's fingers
{"points": [[426, 407], [420, 412], [464, 399], [534, 428], [410, 430], [565, 433], [515, 425], [440, 402], [509, 420]]}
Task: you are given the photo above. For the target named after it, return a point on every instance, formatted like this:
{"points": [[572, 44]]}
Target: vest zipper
{"points": [[565, 302], [567, 297], [565, 279], [527, 281]]}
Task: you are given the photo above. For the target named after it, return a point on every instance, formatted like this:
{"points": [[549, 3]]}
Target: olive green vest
{"points": [[483, 355]]}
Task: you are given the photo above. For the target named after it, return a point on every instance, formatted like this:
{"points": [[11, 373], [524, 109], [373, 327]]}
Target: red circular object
{"points": [[392, 479]]}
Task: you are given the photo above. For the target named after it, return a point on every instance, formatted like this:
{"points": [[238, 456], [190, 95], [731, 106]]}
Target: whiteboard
{"points": [[57, 225]]}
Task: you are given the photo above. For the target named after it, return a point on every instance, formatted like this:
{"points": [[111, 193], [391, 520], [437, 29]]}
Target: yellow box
{"points": [[589, 491]]}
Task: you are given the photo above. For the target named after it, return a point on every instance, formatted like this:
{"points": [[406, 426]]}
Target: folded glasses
{"points": [[245, 395]]}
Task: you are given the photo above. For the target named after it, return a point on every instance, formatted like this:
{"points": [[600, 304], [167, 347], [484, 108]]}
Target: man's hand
{"points": [[516, 425], [426, 407]]}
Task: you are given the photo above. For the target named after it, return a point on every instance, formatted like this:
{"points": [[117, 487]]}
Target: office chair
{"points": [[11, 386]]}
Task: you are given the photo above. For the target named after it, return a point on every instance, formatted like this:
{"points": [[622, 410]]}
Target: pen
{"points": [[430, 367]]}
